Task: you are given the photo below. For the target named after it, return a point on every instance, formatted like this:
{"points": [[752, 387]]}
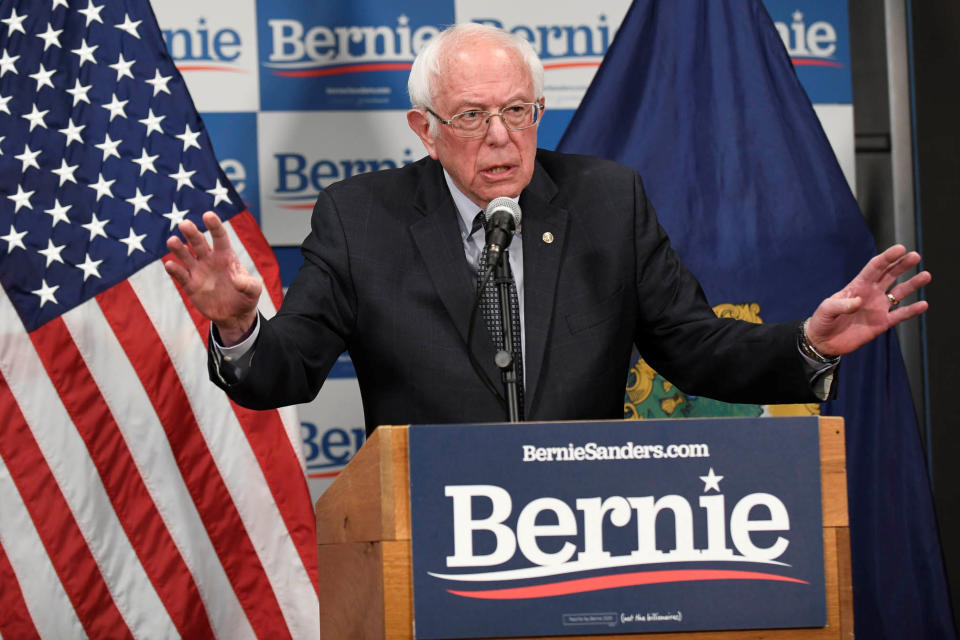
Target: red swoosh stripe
{"points": [[209, 67], [352, 68], [617, 581], [812, 62], [569, 65]]}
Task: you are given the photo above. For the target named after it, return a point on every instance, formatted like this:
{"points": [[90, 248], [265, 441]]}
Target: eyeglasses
{"points": [[474, 123]]}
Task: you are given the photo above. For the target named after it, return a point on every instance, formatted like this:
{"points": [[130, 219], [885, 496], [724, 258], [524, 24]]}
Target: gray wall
{"points": [[908, 182]]}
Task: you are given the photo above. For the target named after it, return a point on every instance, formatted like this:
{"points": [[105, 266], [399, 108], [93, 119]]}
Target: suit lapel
{"points": [[541, 270], [437, 237]]}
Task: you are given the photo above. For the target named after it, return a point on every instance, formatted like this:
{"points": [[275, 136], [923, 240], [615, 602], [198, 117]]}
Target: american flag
{"points": [[135, 499]]}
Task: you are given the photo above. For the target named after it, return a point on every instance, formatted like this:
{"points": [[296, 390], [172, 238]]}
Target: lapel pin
{"points": [[548, 237]]}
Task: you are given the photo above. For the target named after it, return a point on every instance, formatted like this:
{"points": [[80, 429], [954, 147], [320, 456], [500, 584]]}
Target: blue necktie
{"points": [[490, 309]]}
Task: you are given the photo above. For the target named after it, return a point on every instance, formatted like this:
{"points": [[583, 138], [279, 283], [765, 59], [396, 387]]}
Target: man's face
{"points": [[484, 76]]}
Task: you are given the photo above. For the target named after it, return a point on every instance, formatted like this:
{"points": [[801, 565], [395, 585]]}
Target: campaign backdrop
{"points": [[296, 96]]}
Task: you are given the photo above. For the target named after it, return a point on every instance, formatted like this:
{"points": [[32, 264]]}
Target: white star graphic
{"points": [[92, 12], [14, 239], [21, 199], [46, 292], [129, 26], [152, 122], [102, 187], [85, 52], [50, 37], [90, 268], [65, 172], [14, 22], [42, 76], [139, 201], [115, 107], [59, 212], [711, 481], [8, 63], [109, 147], [95, 227], [79, 92], [35, 117], [159, 83], [59, 3], [122, 67], [52, 252], [134, 242], [189, 138], [182, 176], [146, 162], [72, 131], [3, 104], [176, 216], [219, 193], [28, 158]]}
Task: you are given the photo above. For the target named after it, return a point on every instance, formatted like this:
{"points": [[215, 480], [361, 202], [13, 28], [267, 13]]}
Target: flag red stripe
{"points": [[58, 531], [264, 429], [274, 453], [146, 530], [220, 517], [276, 458], [15, 619], [260, 252]]}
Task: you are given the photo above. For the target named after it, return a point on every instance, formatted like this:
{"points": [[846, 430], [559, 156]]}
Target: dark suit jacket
{"points": [[385, 277]]}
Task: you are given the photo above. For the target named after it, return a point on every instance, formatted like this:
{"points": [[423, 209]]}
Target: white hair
{"points": [[427, 66]]}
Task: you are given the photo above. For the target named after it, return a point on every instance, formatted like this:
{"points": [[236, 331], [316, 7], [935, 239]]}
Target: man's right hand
{"points": [[214, 280]]}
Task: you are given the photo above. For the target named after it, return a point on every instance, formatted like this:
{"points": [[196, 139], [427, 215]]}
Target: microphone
{"points": [[503, 220]]}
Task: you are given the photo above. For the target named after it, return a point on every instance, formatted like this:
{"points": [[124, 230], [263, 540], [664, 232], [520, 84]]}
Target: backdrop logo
{"points": [[321, 50], [563, 45], [300, 178], [585, 520], [202, 48], [809, 44], [339, 56], [327, 450]]}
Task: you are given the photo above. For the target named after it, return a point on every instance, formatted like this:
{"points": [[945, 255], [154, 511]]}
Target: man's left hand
{"points": [[869, 305]]}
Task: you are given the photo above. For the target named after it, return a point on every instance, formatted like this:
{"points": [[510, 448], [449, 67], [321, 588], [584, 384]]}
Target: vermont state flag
{"points": [[701, 98]]}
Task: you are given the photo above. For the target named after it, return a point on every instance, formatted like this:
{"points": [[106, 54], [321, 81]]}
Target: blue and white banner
{"points": [[616, 527]]}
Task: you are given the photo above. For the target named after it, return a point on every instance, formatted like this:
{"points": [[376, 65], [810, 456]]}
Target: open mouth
{"points": [[497, 170]]}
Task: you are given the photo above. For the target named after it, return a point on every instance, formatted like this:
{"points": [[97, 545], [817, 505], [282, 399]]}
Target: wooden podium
{"points": [[363, 533]]}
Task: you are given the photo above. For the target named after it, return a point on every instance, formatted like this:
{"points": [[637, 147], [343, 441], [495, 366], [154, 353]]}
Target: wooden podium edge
{"points": [[363, 533]]}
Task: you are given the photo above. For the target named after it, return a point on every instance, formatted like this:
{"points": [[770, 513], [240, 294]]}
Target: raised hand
{"points": [[213, 278], [869, 305]]}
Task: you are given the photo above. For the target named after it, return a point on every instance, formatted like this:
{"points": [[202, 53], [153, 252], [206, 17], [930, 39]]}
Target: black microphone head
{"points": [[505, 205]]}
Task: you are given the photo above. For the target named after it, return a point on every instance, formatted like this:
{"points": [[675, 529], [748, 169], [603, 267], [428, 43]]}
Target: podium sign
{"points": [[615, 527]]}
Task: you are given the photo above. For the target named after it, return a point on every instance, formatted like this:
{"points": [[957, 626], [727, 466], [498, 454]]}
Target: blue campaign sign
{"points": [[816, 34], [616, 527], [342, 55]]}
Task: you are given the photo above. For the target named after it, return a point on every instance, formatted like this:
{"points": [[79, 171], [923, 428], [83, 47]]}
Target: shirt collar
{"points": [[466, 208]]}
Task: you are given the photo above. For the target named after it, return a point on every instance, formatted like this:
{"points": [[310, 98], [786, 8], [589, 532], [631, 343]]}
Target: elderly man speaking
{"points": [[391, 262]]}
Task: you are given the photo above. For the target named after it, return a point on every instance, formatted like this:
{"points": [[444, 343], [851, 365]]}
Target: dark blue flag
{"points": [[700, 97]]}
